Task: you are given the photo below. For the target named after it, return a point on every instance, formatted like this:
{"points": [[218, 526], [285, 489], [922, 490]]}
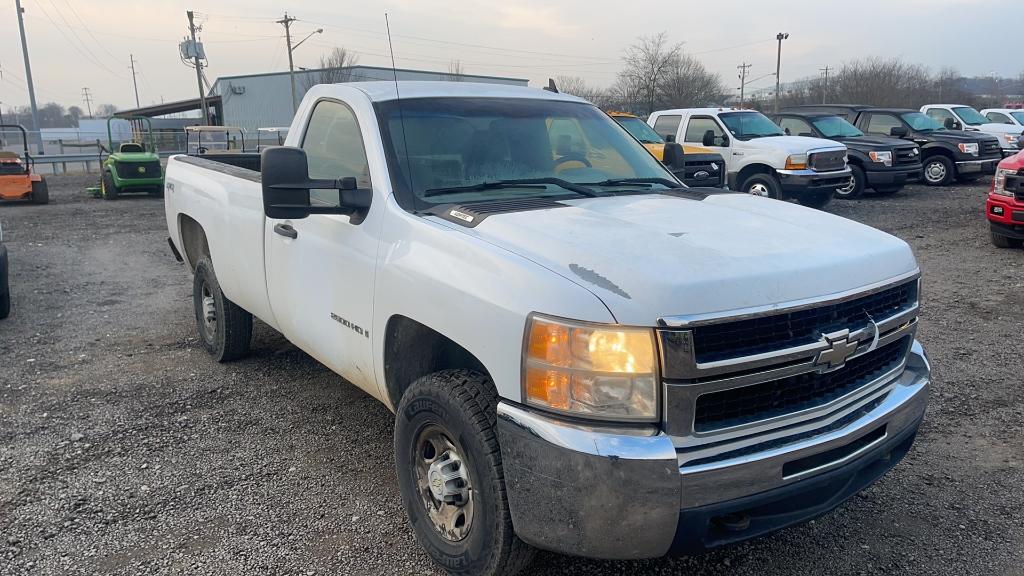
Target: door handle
{"points": [[286, 230]]}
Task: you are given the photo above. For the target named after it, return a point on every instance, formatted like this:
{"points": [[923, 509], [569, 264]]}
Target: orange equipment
{"points": [[17, 181]]}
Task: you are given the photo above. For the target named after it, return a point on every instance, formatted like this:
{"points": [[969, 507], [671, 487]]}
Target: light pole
{"points": [[287, 23], [778, 66]]}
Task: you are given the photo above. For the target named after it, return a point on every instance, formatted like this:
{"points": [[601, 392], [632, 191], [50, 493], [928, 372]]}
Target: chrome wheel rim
{"points": [[935, 172], [443, 483], [209, 312], [759, 189], [849, 188]]}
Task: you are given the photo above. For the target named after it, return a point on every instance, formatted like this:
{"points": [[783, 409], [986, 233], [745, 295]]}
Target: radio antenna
{"points": [[401, 113]]}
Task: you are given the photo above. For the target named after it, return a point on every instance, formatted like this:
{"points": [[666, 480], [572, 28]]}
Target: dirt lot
{"points": [[125, 450]]}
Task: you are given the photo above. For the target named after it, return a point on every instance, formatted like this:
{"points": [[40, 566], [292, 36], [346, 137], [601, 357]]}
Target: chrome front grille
{"points": [[763, 376]]}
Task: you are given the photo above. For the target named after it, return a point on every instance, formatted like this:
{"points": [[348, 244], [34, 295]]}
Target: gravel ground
{"points": [[125, 450]]}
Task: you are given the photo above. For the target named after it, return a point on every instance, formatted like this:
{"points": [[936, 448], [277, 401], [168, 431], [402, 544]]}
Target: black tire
{"points": [[816, 200], [40, 192], [228, 335], [462, 406], [762, 185], [887, 190], [1000, 241], [108, 190], [5, 297], [938, 170], [857, 183]]}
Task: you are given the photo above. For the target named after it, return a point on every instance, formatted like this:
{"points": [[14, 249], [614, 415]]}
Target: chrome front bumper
{"points": [[619, 492]]}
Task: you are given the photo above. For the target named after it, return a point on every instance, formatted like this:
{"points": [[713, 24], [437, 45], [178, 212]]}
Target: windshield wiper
{"points": [[636, 181], [537, 183]]}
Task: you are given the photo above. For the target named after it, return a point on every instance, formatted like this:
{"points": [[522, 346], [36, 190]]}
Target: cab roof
{"points": [[382, 91]]}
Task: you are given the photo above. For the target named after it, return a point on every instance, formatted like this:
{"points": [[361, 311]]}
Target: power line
{"points": [[89, 55]]}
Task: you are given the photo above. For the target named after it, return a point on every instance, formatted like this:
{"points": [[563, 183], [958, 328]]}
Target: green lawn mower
{"points": [[132, 166]]}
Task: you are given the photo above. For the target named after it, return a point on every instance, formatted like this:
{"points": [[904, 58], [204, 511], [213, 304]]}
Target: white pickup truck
{"points": [[760, 158], [960, 117], [582, 354]]}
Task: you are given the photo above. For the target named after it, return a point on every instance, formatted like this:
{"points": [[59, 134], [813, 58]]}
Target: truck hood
{"points": [[872, 142], [651, 256], [955, 136], [1000, 128], [790, 144]]}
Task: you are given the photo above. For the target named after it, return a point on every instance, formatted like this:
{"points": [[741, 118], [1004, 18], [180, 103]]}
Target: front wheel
{"points": [[1000, 241], [40, 192], [856, 185], [108, 190], [225, 329], [938, 171], [764, 185], [450, 475]]}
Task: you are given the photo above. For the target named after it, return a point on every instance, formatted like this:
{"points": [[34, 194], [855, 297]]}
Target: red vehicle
{"points": [[1005, 205]]}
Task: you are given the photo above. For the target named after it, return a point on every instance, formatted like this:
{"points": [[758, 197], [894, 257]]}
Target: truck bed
{"points": [[246, 160]]}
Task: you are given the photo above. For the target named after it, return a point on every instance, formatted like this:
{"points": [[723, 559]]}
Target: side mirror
{"points": [[709, 138], [951, 124], [286, 186], [786, 130], [898, 131], [670, 138], [673, 156]]}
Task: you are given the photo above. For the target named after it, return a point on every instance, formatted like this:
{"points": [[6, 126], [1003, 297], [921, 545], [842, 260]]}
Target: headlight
{"points": [[590, 370], [999, 182], [796, 162], [969, 148], [1012, 140], [881, 157]]}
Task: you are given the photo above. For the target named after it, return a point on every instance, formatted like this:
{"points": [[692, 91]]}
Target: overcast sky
{"points": [[77, 43]]}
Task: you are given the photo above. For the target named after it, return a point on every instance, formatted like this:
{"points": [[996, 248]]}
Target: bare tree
{"points": [[647, 63], [335, 68], [884, 82], [105, 110], [578, 87], [455, 71], [687, 84]]}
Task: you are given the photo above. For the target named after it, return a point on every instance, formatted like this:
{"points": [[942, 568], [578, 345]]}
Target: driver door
{"points": [[320, 269]]}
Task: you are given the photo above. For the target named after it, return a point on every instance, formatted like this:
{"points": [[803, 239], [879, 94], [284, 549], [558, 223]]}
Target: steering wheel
{"points": [[574, 157]]}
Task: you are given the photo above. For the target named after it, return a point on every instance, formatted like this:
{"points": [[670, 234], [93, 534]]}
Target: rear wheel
{"points": [[856, 186], [451, 478], [40, 192], [1000, 241], [938, 171], [5, 296], [108, 191], [764, 185], [225, 329]]}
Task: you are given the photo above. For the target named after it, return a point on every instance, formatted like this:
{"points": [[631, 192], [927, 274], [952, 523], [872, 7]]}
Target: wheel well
{"points": [[749, 171], [193, 237], [929, 152], [413, 350]]}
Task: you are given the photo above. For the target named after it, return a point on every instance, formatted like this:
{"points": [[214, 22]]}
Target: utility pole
{"points": [[135, 82], [28, 76], [88, 100], [778, 67], [192, 28], [743, 82], [287, 23], [824, 85]]}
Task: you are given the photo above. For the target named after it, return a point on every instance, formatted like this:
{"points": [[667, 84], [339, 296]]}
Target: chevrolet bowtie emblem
{"points": [[839, 350]]}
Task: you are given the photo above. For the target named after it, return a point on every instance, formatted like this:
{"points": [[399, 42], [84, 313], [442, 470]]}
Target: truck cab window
{"points": [[334, 149], [882, 124], [698, 125], [998, 118], [796, 127], [940, 115], [667, 125]]}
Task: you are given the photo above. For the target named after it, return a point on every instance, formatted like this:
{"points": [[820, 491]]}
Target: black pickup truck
{"points": [[946, 154], [881, 163]]}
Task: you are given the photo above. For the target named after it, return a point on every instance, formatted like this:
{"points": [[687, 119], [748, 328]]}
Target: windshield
{"points": [[970, 115], [472, 149], [1019, 116], [639, 129], [747, 125], [835, 127], [920, 122]]}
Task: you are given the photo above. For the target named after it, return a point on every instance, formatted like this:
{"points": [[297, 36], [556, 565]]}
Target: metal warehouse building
{"points": [[264, 100]]}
